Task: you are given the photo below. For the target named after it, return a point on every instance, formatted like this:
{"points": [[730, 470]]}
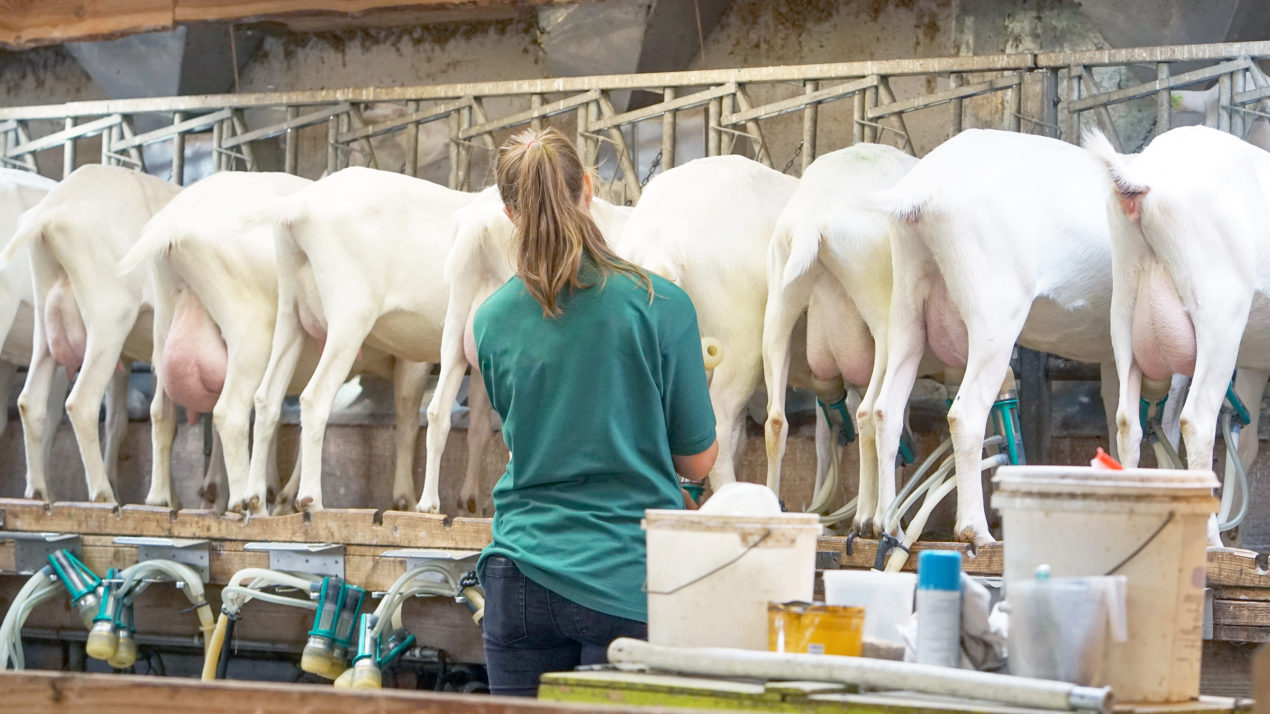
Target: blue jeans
{"points": [[529, 630]]}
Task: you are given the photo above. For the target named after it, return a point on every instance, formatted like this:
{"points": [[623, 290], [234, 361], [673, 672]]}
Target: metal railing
{"points": [[741, 109]]}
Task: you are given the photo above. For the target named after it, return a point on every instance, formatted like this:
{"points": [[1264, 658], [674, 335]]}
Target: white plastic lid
{"points": [[1018, 480]]}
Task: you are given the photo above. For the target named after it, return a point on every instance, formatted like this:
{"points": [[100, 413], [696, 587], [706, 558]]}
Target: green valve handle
{"points": [[80, 582]]}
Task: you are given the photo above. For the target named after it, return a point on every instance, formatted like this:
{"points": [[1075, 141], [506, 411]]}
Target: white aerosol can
{"points": [[939, 608]]}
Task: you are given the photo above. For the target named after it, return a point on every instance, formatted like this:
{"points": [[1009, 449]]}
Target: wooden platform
{"points": [[1241, 588]]}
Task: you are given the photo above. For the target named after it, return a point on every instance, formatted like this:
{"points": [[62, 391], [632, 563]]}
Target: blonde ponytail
{"points": [[540, 178]]}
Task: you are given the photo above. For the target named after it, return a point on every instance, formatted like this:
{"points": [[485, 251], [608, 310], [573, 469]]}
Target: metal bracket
{"points": [[31, 550], [828, 560], [455, 562], [1208, 613], [312, 558], [194, 552]]}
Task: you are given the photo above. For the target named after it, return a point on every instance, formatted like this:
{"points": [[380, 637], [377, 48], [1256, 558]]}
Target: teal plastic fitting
{"points": [[80, 582]]}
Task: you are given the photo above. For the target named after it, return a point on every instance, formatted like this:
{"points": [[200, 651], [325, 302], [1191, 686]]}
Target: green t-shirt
{"points": [[593, 402]]}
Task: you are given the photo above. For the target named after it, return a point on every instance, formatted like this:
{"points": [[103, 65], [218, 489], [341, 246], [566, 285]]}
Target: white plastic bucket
{"points": [[1146, 524], [887, 599], [711, 577]]}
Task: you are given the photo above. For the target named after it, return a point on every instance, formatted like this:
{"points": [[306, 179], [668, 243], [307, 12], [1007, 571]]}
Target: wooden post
{"points": [[1163, 101], [178, 151], [1035, 414], [68, 150], [411, 167], [713, 114], [811, 114], [291, 144], [668, 137], [456, 125], [954, 81]]}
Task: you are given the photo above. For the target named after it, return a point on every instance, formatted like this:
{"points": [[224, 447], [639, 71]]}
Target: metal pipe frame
{"points": [[725, 96]]}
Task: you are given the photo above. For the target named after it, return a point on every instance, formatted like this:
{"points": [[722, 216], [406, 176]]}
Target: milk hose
{"points": [[38, 588], [848, 510], [1224, 520], [235, 595], [915, 527], [178, 572]]}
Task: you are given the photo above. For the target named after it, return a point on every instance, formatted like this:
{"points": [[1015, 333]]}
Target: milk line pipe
{"points": [[876, 674]]}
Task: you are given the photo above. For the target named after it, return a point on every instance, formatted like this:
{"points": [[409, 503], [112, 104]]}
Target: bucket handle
{"points": [[1167, 520], [716, 569]]}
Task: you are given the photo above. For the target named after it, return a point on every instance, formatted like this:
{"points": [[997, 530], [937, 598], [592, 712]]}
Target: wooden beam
{"points": [[28, 23], [34, 692]]}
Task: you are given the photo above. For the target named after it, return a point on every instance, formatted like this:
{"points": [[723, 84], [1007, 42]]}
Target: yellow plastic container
{"points": [[811, 628]]}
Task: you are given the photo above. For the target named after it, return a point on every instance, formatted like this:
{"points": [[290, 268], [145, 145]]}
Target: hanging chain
{"points": [[651, 169], [798, 150]]}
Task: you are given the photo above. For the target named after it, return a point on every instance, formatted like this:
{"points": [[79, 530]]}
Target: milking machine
{"points": [[105, 606], [438, 576], [375, 639], [1234, 417]]}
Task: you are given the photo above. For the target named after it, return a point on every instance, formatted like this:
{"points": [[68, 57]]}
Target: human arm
{"points": [[695, 467]]}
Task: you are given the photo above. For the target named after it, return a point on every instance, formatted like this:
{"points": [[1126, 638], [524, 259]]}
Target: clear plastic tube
{"points": [[37, 589]]}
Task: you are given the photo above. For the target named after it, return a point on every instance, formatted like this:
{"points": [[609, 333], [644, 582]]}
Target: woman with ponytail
{"points": [[596, 370]]}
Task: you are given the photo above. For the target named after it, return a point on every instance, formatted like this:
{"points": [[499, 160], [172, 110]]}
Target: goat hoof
{"points": [[402, 504], [36, 494], [471, 504], [305, 504]]}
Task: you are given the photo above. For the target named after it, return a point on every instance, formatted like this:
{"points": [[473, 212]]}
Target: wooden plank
{"points": [[989, 560], [1243, 613], [1235, 567], [1241, 633], [1222, 592], [348, 526], [35, 692]]}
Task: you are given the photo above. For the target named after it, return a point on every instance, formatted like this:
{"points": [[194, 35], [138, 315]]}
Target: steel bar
{"points": [[1163, 101], [668, 132], [797, 102], [106, 137], [1152, 55], [535, 101], [885, 86], [185, 125], [68, 149], [546, 110], [291, 145], [356, 118], [134, 153], [480, 117], [955, 81], [727, 135], [713, 136], [240, 127], [684, 102], [1223, 102], [297, 123], [1049, 99], [48, 141], [178, 150], [332, 151], [1148, 88], [762, 152], [411, 167], [652, 80], [1102, 114], [437, 111], [1071, 127], [811, 115], [870, 105], [931, 100], [623, 153], [1013, 105]]}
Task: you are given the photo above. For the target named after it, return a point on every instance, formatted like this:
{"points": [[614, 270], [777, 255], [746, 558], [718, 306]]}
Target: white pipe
{"points": [[37, 589], [861, 671]]}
